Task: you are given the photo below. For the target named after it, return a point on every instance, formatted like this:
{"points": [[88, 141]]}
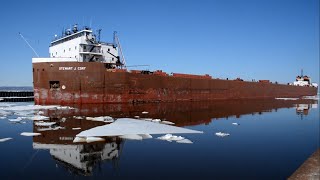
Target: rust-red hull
{"points": [[83, 83]]}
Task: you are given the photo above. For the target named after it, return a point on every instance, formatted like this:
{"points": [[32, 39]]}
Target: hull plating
{"points": [[84, 83]]}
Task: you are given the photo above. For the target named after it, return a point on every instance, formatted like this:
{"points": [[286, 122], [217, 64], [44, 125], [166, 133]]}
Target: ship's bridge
{"points": [[80, 45]]}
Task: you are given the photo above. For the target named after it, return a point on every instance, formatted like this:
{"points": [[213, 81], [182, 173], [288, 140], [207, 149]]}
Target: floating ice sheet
{"points": [[94, 139], [4, 113], [131, 137], [79, 140], [35, 107], [44, 123], [5, 139], [167, 122], [30, 134], [39, 118], [136, 136], [87, 139], [24, 113], [287, 98], [221, 134], [16, 120], [145, 136], [50, 128], [185, 141], [156, 120], [125, 126], [3, 104], [28, 107], [178, 139], [65, 107], [101, 118]]}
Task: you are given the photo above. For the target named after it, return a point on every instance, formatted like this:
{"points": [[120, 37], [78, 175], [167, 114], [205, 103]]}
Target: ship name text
{"points": [[72, 68]]}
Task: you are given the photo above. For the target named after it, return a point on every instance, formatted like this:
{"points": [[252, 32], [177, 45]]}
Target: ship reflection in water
{"points": [[82, 158], [303, 109]]}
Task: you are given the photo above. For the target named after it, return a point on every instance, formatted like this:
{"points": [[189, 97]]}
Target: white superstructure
{"points": [[304, 81], [82, 46]]}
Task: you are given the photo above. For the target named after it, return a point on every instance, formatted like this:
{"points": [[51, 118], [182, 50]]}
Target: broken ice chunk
{"points": [[236, 124], [156, 120], [5, 139], [101, 118], [147, 119], [94, 139], [28, 108], [50, 128], [44, 123], [15, 120], [39, 118], [170, 137], [144, 112], [185, 141], [77, 128], [131, 137], [287, 98], [30, 134], [79, 140], [221, 134], [178, 139], [4, 113], [137, 117], [165, 137], [145, 136], [3, 104], [167, 122]]}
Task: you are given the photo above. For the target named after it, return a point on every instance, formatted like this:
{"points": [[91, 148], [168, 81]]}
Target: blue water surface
{"points": [[270, 144]]}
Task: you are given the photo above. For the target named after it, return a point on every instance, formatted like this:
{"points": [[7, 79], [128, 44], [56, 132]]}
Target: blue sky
{"points": [[250, 39]]}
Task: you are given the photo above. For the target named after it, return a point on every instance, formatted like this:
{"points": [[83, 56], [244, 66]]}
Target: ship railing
{"points": [[71, 32]]}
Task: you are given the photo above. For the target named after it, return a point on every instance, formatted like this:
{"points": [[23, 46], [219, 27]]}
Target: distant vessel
{"points": [[82, 69]]}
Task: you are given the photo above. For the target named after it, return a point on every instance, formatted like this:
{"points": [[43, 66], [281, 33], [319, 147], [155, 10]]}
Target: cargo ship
{"points": [[82, 69]]}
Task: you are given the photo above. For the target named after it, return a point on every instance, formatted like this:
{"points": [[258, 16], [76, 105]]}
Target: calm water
{"points": [[273, 139]]}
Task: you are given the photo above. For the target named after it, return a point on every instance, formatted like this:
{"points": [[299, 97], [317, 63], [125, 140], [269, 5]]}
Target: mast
{"points": [[29, 44]]}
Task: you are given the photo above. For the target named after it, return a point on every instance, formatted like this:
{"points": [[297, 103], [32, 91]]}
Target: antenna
{"points": [[28, 44]]}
